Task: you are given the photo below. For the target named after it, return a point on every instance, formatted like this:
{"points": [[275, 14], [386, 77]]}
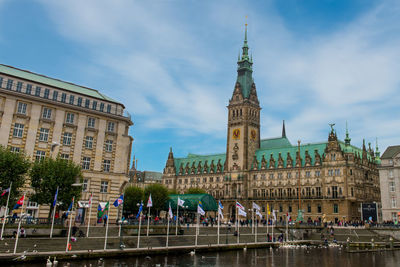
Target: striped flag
{"points": [[19, 203], [220, 208], [239, 206], [255, 206], [140, 210], [5, 191], [170, 215], [150, 202]]}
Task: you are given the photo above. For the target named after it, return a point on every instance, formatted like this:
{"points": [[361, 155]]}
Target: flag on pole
{"points": [[274, 215], [238, 205], [5, 191], [220, 208], [150, 202], [288, 217], [119, 201], [259, 214], [242, 213], [55, 198], [170, 215], [70, 207], [255, 206], [200, 209], [101, 210], [180, 202], [268, 211], [90, 199], [19, 203], [140, 210]]}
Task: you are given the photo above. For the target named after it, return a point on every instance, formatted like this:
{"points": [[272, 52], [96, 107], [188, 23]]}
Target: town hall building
{"points": [[327, 180]]}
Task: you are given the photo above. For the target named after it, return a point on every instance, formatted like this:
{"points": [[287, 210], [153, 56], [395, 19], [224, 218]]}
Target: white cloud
{"points": [[172, 62]]}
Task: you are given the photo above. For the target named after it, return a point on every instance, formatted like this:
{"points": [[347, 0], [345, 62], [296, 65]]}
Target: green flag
{"points": [[101, 210]]}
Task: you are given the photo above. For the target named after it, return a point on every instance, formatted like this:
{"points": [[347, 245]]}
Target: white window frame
{"points": [[104, 187], [109, 145], [18, 130], [15, 149], [70, 118], [110, 126], [65, 156], [86, 163], [91, 123], [89, 142], [46, 113], [21, 109], [44, 135], [392, 186], [106, 165], [85, 185], [67, 138], [40, 154]]}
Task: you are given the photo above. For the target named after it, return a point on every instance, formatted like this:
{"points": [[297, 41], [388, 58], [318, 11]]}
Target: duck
{"points": [[192, 253]]}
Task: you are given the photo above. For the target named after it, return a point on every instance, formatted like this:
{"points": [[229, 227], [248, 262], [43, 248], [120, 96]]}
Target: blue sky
{"points": [[173, 64]]}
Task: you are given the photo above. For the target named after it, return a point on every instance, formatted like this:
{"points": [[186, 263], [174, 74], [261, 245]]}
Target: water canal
{"points": [[298, 257]]}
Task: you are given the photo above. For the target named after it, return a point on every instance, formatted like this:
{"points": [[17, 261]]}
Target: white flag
{"points": [[220, 213], [170, 215], [180, 202], [259, 214], [242, 212], [274, 214], [150, 202], [200, 210], [255, 206]]}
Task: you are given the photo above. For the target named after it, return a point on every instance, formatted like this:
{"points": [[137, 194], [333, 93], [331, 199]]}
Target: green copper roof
{"points": [[245, 78], [274, 143], [193, 158], [27, 75], [292, 150]]}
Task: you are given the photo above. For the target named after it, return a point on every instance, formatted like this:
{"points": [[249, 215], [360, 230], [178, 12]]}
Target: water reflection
{"points": [[301, 257]]}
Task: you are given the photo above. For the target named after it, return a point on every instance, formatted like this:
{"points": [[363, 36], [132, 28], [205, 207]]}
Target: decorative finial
{"points": [[331, 125]]}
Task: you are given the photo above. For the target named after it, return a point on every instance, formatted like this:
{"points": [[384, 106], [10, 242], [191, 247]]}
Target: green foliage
{"points": [[13, 168], [49, 173], [172, 192], [195, 190], [132, 196], [159, 195]]}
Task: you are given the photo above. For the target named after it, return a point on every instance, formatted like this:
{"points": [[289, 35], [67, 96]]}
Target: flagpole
{"points": [[272, 230], [267, 220], [148, 221], [255, 229], [19, 225], [197, 228], [5, 213], [90, 214], [287, 226], [167, 228], [177, 217], [238, 225], [252, 220], [70, 224], [108, 219], [140, 224], [54, 214], [219, 221]]}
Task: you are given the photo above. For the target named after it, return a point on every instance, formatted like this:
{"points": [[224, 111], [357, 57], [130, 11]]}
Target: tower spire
{"points": [[347, 139], [283, 129], [245, 48]]}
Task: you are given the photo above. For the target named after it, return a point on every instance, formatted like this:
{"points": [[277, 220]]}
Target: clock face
{"points": [[236, 134], [253, 134]]}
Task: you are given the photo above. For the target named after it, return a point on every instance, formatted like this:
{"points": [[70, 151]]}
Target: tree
{"points": [[195, 190], [159, 195], [132, 196], [48, 174], [172, 191], [13, 168]]}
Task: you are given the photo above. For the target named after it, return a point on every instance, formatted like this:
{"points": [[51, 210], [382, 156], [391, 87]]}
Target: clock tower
{"points": [[243, 137]]}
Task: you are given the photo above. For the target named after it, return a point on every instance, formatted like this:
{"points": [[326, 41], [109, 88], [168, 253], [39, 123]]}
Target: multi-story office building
{"points": [[332, 177], [46, 117], [389, 175]]}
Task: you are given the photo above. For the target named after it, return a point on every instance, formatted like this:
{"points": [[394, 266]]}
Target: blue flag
{"points": [[70, 207], [220, 205], [119, 201], [140, 210], [55, 198]]}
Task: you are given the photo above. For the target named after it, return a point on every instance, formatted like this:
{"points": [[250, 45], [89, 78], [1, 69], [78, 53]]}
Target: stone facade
{"points": [[333, 177], [389, 175], [45, 117]]}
